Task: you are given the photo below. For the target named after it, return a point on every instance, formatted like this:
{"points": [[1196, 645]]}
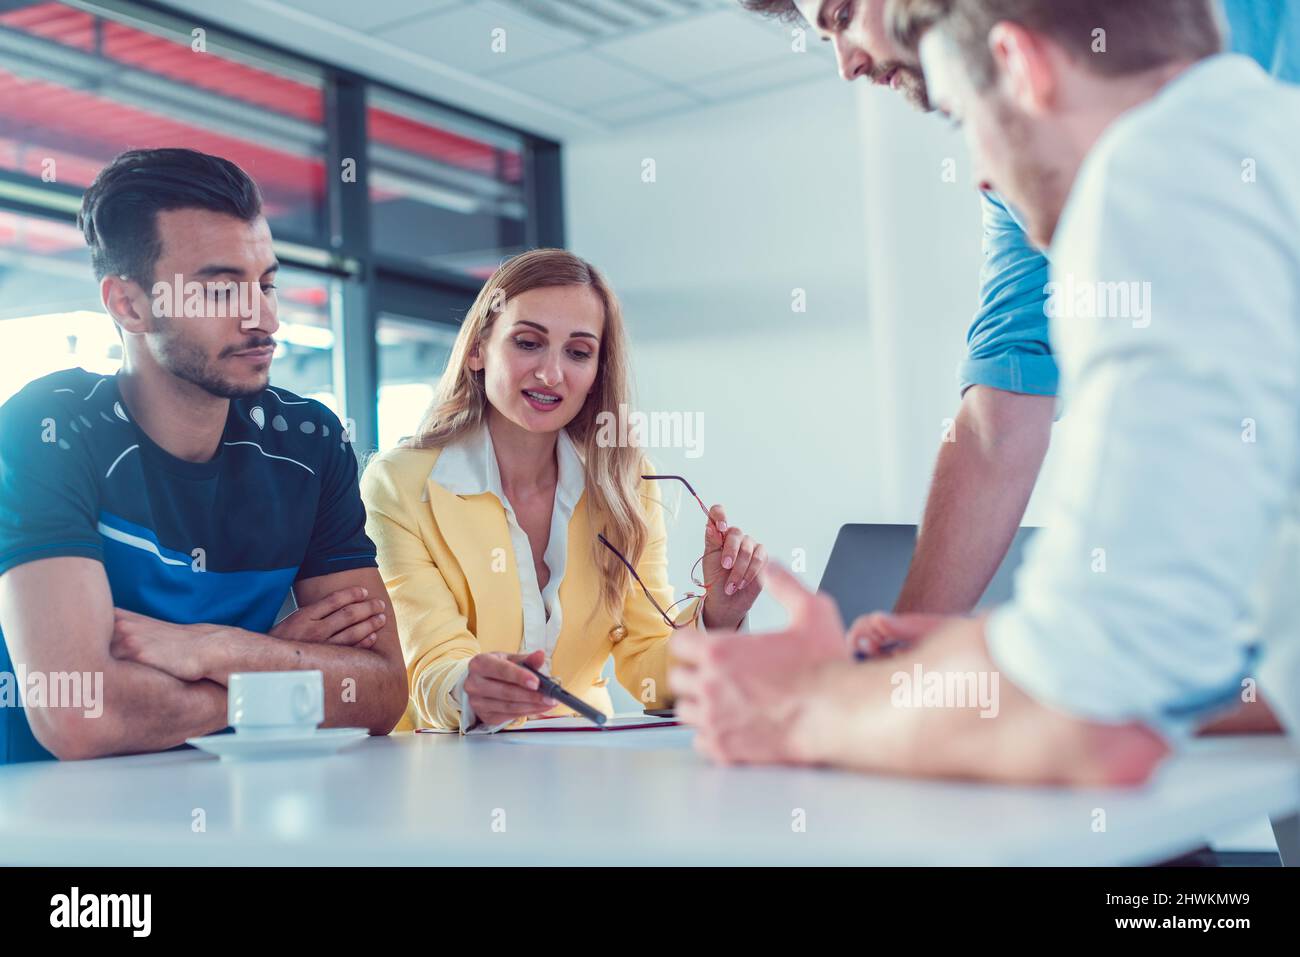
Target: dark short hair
{"points": [[1140, 34], [783, 10], [119, 212]]}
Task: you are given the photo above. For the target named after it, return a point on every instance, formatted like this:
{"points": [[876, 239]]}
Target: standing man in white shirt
{"points": [[1008, 380], [1161, 174]]}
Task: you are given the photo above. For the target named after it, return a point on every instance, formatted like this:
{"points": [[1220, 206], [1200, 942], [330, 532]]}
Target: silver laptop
{"points": [[869, 563]]}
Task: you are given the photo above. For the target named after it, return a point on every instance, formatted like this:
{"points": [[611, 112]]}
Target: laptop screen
{"points": [[869, 563]]}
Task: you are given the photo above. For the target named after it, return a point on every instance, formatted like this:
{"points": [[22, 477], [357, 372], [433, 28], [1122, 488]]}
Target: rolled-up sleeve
{"points": [[1007, 345], [1179, 465]]}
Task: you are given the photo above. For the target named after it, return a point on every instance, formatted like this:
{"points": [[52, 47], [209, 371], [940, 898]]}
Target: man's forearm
{"points": [[982, 483], [360, 684], [882, 716], [1253, 718], [142, 710]]}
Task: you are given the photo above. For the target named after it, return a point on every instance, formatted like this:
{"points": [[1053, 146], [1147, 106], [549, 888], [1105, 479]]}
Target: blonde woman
{"points": [[511, 529]]}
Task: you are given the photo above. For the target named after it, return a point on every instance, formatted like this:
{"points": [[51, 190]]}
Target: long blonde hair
{"points": [[612, 471]]}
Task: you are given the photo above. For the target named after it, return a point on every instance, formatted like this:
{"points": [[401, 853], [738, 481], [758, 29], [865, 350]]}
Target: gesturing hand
{"points": [[745, 693]]}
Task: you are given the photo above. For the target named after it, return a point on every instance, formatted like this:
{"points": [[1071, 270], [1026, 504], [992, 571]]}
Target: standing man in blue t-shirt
{"points": [[153, 522], [983, 480]]}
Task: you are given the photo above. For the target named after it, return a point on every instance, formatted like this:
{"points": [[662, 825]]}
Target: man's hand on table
{"points": [[881, 633]]}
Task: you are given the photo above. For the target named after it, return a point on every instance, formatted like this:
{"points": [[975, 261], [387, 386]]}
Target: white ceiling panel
{"points": [[570, 67], [577, 80], [702, 46], [630, 109], [369, 16], [787, 70], [462, 37], [596, 20]]}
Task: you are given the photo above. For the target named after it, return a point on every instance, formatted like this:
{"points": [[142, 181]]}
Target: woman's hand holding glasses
{"points": [[729, 568], [732, 561]]}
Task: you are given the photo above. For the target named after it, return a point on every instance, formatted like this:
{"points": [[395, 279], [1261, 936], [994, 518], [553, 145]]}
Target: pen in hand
{"points": [[551, 688]]}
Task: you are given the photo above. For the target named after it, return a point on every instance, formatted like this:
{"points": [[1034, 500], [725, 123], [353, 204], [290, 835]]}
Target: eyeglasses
{"points": [[696, 569]]}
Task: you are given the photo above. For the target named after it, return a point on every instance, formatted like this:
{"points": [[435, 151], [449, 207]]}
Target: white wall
{"points": [[811, 420]]}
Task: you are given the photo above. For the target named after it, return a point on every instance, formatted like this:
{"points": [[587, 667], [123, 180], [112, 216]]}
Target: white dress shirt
{"points": [[1170, 561], [469, 467]]}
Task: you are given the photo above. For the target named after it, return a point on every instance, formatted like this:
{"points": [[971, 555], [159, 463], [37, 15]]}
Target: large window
{"points": [[51, 317], [79, 88], [449, 196], [412, 358], [444, 192], [304, 353]]}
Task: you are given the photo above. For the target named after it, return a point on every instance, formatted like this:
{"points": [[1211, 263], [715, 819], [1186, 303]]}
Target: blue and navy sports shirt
{"points": [[219, 541]]}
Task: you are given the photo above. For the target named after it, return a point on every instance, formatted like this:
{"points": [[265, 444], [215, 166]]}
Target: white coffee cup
{"points": [[268, 703]]}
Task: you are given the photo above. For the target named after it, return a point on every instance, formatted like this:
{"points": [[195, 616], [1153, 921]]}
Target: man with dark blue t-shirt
{"points": [[153, 523]]}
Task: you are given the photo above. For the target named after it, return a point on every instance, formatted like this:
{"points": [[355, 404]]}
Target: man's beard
{"points": [[911, 84], [188, 362], [913, 87]]}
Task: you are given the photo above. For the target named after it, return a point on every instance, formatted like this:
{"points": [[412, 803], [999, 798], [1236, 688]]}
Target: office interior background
{"points": [[775, 186]]}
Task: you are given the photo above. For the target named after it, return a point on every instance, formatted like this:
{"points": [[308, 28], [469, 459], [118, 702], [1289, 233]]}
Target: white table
{"points": [[628, 797]]}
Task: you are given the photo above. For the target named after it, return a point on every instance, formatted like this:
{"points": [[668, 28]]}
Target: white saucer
{"points": [[243, 747]]}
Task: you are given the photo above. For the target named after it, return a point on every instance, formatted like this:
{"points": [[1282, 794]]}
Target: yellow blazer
{"points": [[436, 553]]}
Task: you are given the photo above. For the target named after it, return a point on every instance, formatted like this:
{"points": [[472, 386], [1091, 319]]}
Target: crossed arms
{"points": [[164, 683]]}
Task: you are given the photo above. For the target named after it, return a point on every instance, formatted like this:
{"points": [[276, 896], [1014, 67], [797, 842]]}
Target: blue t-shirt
{"points": [[1007, 344], [1268, 31], [220, 541]]}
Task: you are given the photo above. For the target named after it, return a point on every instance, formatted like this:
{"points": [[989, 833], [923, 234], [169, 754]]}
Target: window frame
{"points": [[368, 283]]}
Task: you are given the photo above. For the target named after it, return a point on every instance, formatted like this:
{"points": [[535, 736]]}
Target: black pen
{"points": [[551, 688]]}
